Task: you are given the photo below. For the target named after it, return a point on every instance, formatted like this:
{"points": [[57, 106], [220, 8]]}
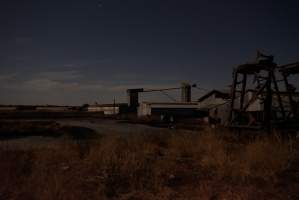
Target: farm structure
{"points": [[220, 106], [216, 105], [108, 109], [8, 108], [261, 97], [287, 71], [133, 95], [258, 99], [52, 108], [48, 108], [175, 109]]}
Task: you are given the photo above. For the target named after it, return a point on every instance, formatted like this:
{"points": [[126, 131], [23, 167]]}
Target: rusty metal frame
{"points": [[268, 89], [286, 71]]}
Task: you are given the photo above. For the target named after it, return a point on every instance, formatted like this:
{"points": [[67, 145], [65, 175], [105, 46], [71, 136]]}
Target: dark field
{"points": [[78, 162]]}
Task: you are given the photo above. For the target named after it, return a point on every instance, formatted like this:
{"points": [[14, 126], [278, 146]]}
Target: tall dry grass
{"points": [[148, 165]]}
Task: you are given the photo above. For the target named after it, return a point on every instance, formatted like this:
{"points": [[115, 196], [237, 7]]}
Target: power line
{"points": [[202, 89], [167, 95]]}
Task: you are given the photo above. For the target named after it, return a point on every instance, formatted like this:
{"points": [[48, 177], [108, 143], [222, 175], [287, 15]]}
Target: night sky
{"points": [[85, 51]]}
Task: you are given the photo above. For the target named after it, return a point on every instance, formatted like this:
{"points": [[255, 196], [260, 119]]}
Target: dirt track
{"points": [[110, 126], [98, 126]]}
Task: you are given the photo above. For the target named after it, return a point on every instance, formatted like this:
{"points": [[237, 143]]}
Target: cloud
{"points": [[42, 84], [147, 79], [52, 85], [69, 65], [60, 75], [6, 80], [50, 81], [5, 77], [145, 86], [72, 86], [72, 80]]}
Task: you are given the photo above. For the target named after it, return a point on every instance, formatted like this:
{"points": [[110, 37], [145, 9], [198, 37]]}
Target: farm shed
{"points": [[108, 109], [8, 108], [52, 108], [214, 97], [216, 102], [175, 109]]}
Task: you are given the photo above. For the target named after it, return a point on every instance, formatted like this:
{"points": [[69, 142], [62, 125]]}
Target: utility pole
{"points": [[114, 106]]}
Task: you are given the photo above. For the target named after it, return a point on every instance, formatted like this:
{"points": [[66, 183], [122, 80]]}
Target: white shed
{"points": [[216, 101], [107, 109], [8, 108], [167, 108]]}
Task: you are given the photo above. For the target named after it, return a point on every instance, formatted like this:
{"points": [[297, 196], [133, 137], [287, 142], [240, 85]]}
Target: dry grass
{"points": [[204, 165]]}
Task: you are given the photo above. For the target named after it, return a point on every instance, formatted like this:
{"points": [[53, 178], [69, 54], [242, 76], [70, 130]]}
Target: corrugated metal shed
{"points": [[165, 108]]}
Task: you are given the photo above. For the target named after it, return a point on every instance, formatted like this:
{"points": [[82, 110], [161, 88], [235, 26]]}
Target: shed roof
{"points": [[170, 103], [109, 105]]}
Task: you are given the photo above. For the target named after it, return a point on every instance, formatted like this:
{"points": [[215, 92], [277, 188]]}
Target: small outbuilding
{"points": [[216, 104], [108, 109]]}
